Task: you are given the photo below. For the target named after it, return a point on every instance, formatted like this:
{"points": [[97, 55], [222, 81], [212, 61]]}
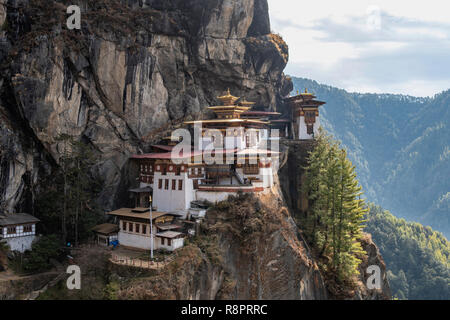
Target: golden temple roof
{"points": [[229, 108], [228, 99], [246, 103], [227, 121], [306, 93]]}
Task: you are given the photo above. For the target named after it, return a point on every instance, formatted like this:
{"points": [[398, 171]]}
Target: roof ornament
{"points": [[246, 103], [306, 93], [228, 99]]}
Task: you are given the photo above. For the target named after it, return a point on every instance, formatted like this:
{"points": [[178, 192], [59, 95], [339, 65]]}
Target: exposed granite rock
{"points": [[2, 13], [250, 248], [263, 253], [134, 71], [373, 258]]}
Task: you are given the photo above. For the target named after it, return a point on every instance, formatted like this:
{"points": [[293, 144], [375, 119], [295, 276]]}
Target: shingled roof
{"points": [[106, 228], [7, 219]]}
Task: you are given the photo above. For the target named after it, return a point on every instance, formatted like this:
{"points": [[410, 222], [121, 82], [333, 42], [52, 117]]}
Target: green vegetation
{"points": [[417, 258], [399, 145], [333, 224], [38, 259], [67, 207]]}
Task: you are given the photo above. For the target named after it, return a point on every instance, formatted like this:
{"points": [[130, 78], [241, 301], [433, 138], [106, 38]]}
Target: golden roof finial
{"points": [[228, 99], [306, 93]]}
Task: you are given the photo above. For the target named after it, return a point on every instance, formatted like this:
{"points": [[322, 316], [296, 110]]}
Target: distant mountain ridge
{"points": [[400, 146]]}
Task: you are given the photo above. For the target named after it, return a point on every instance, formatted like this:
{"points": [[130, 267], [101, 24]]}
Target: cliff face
{"points": [[249, 248], [291, 176], [135, 71]]}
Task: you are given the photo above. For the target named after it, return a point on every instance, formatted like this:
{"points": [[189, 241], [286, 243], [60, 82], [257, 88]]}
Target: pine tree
{"points": [[70, 192], [334, 223]]}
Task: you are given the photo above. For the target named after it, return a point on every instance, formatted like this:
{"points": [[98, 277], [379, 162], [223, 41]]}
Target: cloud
{"points": [[374, 50]]}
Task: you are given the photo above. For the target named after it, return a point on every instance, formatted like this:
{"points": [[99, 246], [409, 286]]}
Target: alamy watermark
{"points": [[373, 18], [374, 280], [74, 20], [74, 280], [215, 147]]}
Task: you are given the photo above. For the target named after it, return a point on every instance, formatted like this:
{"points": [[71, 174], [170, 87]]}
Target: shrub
{"points": [[38, 259]]}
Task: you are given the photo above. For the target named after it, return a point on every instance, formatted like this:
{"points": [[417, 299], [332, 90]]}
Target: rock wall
{"points": [[264, 255], [249, 248], [135, 70], [291, 175]]}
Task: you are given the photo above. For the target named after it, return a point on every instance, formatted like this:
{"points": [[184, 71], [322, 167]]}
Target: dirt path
{"points": [[9, 275]]}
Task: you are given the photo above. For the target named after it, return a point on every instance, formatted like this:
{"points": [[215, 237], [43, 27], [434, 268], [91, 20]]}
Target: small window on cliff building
{"points": [[309, 129]]}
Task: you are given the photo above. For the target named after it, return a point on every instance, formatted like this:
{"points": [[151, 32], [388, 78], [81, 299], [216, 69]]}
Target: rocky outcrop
{"points": [[133, 72], [262, 251], [249, 248], [373, 258], [294, 160]]}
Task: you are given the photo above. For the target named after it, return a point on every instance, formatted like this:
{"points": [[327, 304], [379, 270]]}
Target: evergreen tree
{"points": [[70, 193], [334, 223]]}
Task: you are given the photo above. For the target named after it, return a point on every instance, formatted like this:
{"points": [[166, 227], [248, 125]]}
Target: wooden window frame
{"points": [[180, 185], [174, 184], [160, 184], [137, 227], [166, 184], [11, 230]]}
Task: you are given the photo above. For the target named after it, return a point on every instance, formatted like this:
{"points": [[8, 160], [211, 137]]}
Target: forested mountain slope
{"points": [[400, 146], [417, 258]]}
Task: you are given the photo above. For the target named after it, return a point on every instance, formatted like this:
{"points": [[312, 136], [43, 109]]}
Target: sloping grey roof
{"points": [[7, 219], [106, 228], [169, 234], [141, 190]]}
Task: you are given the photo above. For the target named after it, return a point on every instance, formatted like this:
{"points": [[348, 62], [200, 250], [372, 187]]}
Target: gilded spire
{"points": [[228, 99], [306, 93]]}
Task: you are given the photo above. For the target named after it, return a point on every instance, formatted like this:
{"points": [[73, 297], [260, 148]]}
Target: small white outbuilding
{"points": [[18, 230]]}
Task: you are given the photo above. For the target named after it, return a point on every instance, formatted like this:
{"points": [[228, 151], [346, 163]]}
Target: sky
{"points": [[379, 46]]}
